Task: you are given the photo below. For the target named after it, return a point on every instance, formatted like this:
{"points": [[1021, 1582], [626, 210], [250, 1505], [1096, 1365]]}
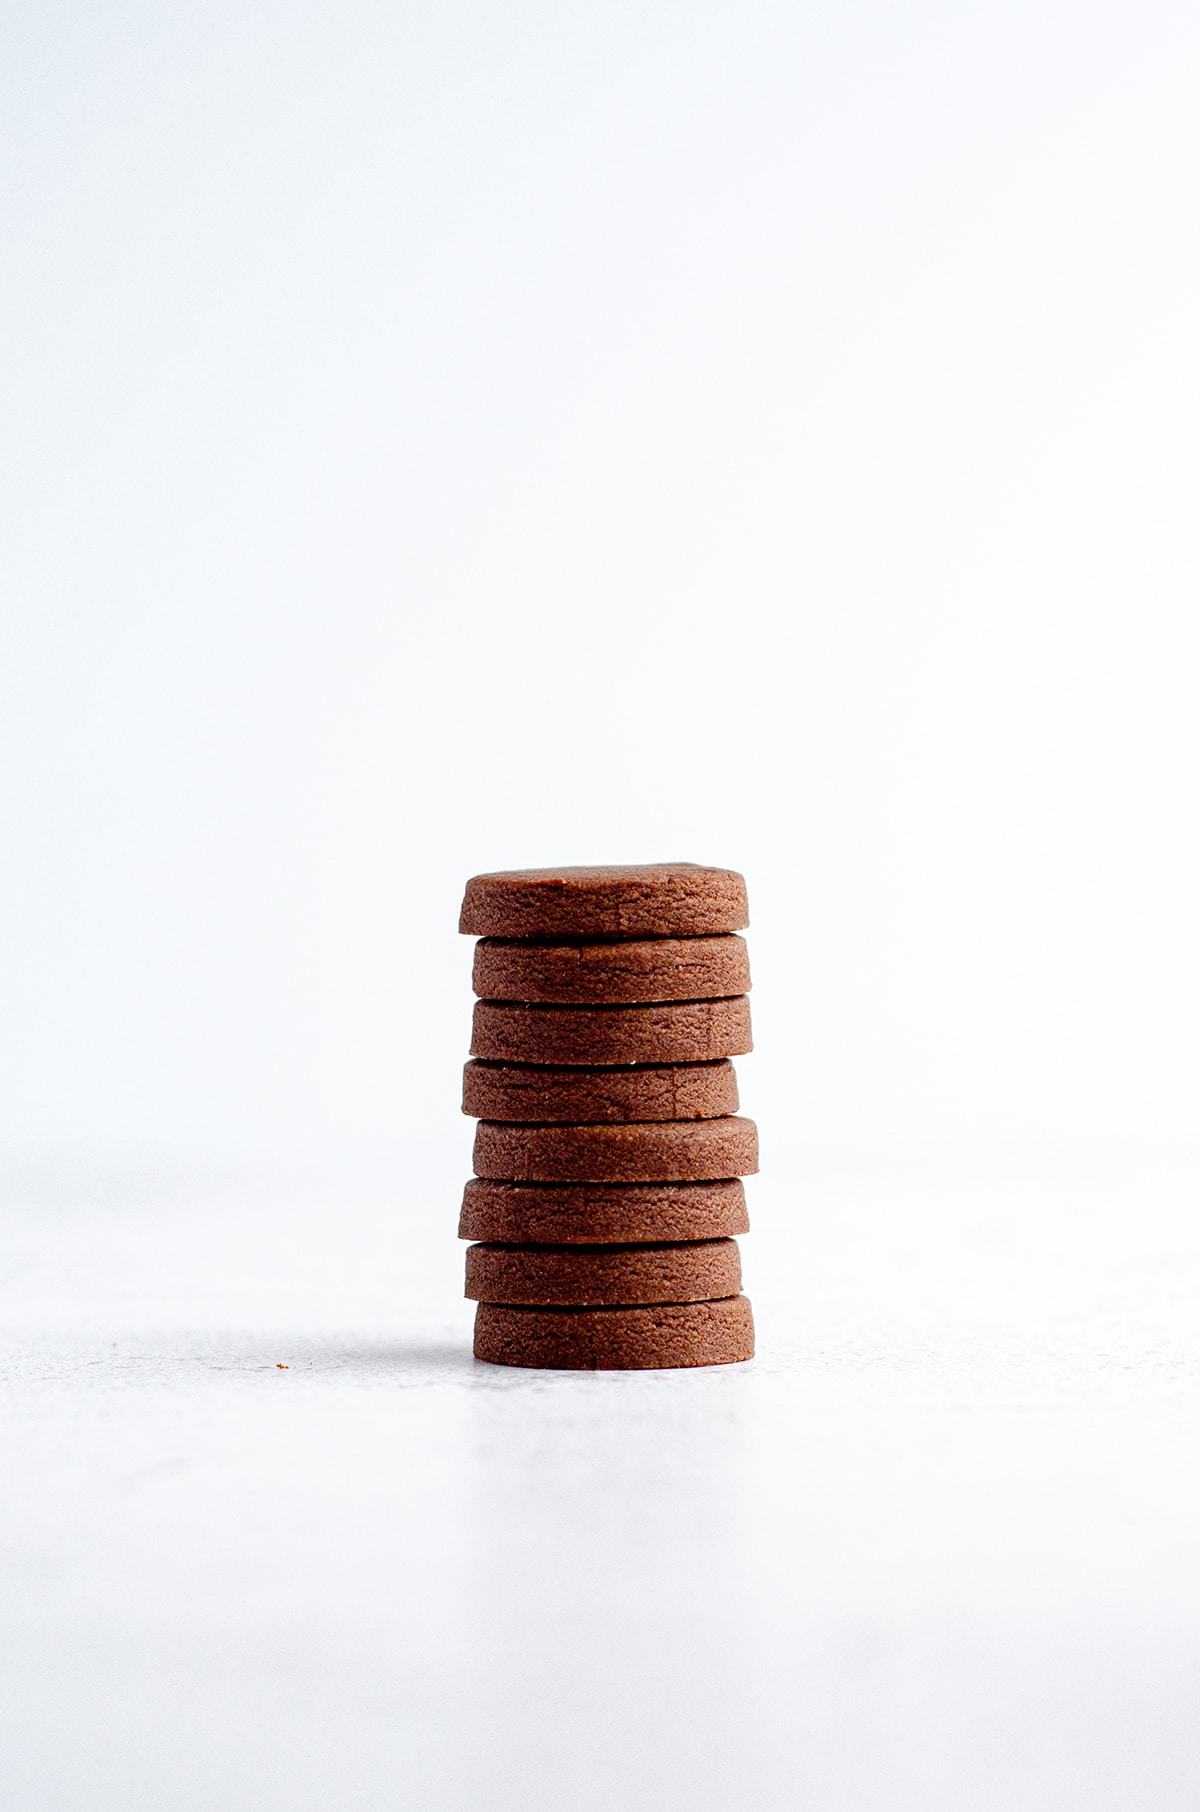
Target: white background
{"points": [[447, 437]]}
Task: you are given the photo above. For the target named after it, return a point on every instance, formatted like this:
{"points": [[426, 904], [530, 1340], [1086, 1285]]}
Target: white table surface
{"points": [[937, 1546]]}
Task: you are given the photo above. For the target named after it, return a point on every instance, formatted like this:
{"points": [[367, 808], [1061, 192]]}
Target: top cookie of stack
{"points": [[662, 899], [610, 1002]]}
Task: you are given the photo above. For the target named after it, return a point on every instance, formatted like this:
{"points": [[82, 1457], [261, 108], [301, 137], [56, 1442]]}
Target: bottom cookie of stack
{"points": [[616, 1339]]}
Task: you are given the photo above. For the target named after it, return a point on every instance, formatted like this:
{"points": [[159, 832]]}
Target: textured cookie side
{"points": [[633, 972], [695, 1031], [617, 1092], [624, 1339], [602, 1213], [655, 1152], [594, 1275], [660, 899]]}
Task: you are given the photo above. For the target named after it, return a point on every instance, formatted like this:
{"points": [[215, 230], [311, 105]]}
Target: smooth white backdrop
{"points": [[439, 438]]}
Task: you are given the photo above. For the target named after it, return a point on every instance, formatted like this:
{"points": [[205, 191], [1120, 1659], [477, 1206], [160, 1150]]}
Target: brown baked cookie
{"points": [[604, 1274], [663, 899], [690, 1031], [664, 1151], [532, 1092], [646, 969], [668, 1334], [602, 1213]]}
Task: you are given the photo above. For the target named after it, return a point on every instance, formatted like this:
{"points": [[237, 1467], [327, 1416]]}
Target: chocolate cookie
{"points": [[604, 1274], [670, 1334], [602, 1213], [691, 1031], [530, 1092], [664, 899], [647, 969], [663, 1151]]}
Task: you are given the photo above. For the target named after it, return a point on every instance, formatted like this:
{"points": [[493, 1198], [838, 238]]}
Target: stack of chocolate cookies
{"points": [[609, 1152]]}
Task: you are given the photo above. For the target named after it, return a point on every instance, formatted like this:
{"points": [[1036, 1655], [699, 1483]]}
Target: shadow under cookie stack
{"points": [[609, 1153]]}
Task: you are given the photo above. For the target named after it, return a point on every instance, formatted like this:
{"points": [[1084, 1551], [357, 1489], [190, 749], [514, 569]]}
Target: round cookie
{"points": [[602, 1213], [664, 1151], [625, 1339], [596, 1275], [646, 969], [691, 1031], [662, 899], [532, 1093]]}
